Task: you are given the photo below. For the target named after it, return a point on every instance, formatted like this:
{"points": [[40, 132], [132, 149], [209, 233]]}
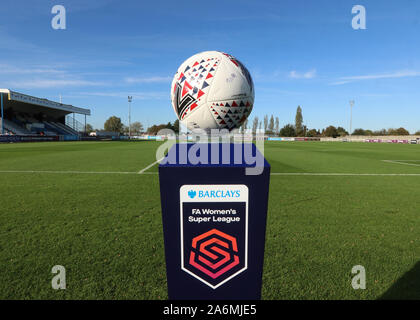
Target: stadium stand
{"points": [[24, 115]]}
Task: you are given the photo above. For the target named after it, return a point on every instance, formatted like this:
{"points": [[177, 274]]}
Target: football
{"points": [[212, 90]]}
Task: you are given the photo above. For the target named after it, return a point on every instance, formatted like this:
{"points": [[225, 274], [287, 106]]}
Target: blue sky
{"points": [[299, 52]]}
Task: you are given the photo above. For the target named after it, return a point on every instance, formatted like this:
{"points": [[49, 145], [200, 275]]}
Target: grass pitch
{"points": [[332, 206]]}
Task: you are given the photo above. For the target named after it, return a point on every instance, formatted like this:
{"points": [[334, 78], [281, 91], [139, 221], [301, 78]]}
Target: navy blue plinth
{"points": [[214, 222]]}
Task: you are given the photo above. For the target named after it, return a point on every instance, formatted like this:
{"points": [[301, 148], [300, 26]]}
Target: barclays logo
{"points": [[192, 194], [219, 194]]}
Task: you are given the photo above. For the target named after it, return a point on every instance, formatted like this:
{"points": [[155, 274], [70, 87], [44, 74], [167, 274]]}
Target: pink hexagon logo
{"points": [[214, 258]]}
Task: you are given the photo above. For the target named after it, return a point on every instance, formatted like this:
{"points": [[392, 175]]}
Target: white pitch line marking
{"points": [[66, 172], [403, 162], [341, 174], [272, 174], [417, 160], [149, 166]]}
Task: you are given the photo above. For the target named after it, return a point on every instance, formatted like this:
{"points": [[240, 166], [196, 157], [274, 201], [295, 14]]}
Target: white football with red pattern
{"points": [[212, 90]]}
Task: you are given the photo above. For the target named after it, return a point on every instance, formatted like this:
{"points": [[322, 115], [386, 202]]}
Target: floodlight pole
{"points": [[130, 98], [351, 114]]}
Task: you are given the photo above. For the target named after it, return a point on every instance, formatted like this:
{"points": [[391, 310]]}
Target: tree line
{"points": [[271, 126], [298, 129], [114, 124]]}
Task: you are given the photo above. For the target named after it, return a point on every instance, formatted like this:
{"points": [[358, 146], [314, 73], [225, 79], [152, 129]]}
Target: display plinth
{"points": [[214, 220]]}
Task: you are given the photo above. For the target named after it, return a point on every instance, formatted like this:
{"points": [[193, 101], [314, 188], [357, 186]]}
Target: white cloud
{"points": [[39, 76], [10, 69], [147, 79], [306, 75], [151, 95], [339, 83], [52, 83], [394, 75]]}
